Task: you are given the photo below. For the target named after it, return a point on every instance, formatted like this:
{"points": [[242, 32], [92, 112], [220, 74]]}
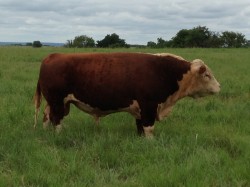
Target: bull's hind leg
{"points": [[57, 112], [46, 116], [36, 117]]}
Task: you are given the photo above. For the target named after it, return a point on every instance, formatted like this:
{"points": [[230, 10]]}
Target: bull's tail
{"points": [[37, 101]]}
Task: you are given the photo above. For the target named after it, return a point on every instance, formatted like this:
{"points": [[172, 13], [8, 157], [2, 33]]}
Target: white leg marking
{"points": [[46, 117], [148, 131], [46, 124], [36, 117], [58, 128]]}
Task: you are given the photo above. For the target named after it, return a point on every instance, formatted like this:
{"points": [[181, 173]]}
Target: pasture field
{"points": [[204, 142]]}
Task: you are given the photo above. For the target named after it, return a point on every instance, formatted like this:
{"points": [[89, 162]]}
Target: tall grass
{"points": [[204, 142]]}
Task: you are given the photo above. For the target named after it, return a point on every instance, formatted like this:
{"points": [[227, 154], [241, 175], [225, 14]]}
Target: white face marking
{"points": [[203, 82], [148, 131]]}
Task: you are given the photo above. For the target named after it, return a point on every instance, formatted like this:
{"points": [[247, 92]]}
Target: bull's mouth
{"points": [[197, 96], [214, 92], [202, 94]]}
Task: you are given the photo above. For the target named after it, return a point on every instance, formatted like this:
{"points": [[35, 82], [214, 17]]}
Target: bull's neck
{"points": [[184, 90]]}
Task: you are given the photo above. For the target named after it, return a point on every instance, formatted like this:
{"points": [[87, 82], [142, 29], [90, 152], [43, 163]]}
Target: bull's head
{"points": [[202, 82], [198, 82]]}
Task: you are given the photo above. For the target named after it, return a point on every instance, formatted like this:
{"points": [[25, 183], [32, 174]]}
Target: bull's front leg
{"points": [[146, 131], [149, 131], [140, 129], [145, 125]]}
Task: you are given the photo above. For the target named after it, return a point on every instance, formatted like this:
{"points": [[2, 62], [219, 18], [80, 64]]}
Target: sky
{"points": [[136, 21]]}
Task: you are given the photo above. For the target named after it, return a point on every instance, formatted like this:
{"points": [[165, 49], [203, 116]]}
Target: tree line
{"points": [[199, 36], [204, 38], [111, 41]]}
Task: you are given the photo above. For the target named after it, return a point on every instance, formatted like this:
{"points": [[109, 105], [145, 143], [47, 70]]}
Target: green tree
{"points": [[69, 43], [151, 44], [37, 44], [80, 42], [199, 37], [180, 40], [215, 40], [196, 37], [113, 41], [161, 43], [29, 44], [233, 39]]}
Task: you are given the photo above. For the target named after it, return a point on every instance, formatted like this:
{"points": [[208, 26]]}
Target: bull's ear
{"points": [[202, 69]]}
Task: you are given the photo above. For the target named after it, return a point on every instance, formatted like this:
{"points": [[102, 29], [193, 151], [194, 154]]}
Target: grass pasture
{"points": [[204, 142]]}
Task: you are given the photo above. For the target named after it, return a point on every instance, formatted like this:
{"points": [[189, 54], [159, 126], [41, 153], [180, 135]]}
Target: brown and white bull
{"points": [[145, 85]]}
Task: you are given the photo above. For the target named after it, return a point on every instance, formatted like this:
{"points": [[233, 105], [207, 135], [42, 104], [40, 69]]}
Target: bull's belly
{"points": [[163, 109], [133, 109]]}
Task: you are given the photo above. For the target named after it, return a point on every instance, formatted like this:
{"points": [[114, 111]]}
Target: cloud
{"points": [[136, 21]]}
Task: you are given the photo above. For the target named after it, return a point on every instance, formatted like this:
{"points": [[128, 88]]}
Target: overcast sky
{"points": [[136, 21]]}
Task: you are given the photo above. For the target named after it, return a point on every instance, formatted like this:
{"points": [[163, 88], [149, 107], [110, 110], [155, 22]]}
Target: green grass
{"points": [[204, 142]]}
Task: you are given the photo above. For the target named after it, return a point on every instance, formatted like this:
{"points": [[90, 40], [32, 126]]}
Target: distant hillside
{"points": [[24, 44]]}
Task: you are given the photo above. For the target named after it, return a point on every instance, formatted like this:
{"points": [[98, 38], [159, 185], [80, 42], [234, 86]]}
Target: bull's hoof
{"points": [[148, 131], [46, 125], [58, 128]]}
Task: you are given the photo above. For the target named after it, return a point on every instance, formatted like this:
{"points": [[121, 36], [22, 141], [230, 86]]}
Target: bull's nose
{"points": [[219, 87], [218, 84]]}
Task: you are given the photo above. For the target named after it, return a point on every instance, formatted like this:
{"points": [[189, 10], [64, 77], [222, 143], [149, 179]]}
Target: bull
{"points": [[146, 86]]}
